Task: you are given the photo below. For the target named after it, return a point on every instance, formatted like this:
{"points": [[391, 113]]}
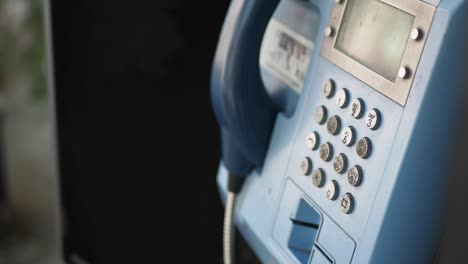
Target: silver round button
{"points": [[320, 115], [334, 125], [357, 108], [373, 119], [340, 163], [355, 176], [312, 141], [342, 98], [329, 89], [331, 190], [364, 147], [347, 203], [404, 73], [329, 31], [416, 34], [326, 151], [318, 177], [348, 136], [306, 166]]}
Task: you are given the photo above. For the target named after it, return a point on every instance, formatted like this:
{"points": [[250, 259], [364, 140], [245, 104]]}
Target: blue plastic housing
{"points": [[400, 206]]}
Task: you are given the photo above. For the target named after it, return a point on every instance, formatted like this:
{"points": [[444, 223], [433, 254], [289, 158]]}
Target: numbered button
{"points": [[347, 203], [373, 119], [348, 136], [340, 163], [355, 176], [320, 115], [318, 177], [331, 190], [342, 98], [357, 108], [306, 166], [334, 125], [312, 141], [364, 147], [326, 151], [329, 89]]}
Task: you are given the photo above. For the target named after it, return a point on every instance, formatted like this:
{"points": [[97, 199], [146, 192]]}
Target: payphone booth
{"points": [[339, 122]]}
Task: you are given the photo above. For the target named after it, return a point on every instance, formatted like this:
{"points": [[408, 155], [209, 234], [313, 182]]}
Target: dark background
{"points": [[139, 145]]}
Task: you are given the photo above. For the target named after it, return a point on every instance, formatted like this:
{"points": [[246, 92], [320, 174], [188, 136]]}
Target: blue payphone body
{"points": [[341, 115]]}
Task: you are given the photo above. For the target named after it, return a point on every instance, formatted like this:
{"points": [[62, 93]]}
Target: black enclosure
{"points": [[139, 146]]}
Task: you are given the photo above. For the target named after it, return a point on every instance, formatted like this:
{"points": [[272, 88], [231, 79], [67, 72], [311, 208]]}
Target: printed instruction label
{"points": [[286, 54]]}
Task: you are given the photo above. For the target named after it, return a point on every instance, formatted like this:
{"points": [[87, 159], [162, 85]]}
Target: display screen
{"points": [[375, 34]]}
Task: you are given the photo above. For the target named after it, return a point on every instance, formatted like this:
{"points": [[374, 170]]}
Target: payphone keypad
{"points": [[348, 134], [355, 176], [373, 119], [347, 203], [318, 177], [340, 163], [320, 115], [342, 98], [306, 166], [331, 190], [334, 125], [326, 151]]}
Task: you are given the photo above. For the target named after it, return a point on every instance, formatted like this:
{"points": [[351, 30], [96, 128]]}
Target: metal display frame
{"points": [[398, 90]]}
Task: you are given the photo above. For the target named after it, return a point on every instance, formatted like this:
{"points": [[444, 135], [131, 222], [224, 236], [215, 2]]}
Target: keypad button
{"points": [[318, 177], [357, 108], [355, 176], [340, 163], [331, 190], [373, 119], [320, 115], [326, 151], [334, 125], [347, 203], [342, 98], [312, 141], [364, 147], [306, 166], [348, 136], [329, 89]]}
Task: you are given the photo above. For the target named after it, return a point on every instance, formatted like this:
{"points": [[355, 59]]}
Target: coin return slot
{"points": [[305, 226]]}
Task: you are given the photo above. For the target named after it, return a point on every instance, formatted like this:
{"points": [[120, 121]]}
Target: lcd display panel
{"points": [[375, 34]]}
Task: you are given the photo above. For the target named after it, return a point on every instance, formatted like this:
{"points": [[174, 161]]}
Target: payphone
{"points": [[338, 122]]}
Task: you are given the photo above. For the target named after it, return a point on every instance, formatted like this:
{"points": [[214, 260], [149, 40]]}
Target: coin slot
{"points": [[305, 226]]}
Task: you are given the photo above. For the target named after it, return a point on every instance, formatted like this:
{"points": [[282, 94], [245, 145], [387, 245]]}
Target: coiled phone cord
{"points": [[228, 229]]}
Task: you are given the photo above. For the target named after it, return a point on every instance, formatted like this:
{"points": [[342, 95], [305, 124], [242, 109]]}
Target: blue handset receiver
{"points": [[355, 168], [242, 106]]}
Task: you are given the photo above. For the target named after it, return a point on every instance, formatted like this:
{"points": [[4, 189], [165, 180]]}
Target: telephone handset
{"points": [[242, 106], [247, 96], [367, 91]]}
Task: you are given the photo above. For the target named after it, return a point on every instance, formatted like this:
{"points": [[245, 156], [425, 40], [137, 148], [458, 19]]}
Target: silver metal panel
{"points": [[398, 90]]}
